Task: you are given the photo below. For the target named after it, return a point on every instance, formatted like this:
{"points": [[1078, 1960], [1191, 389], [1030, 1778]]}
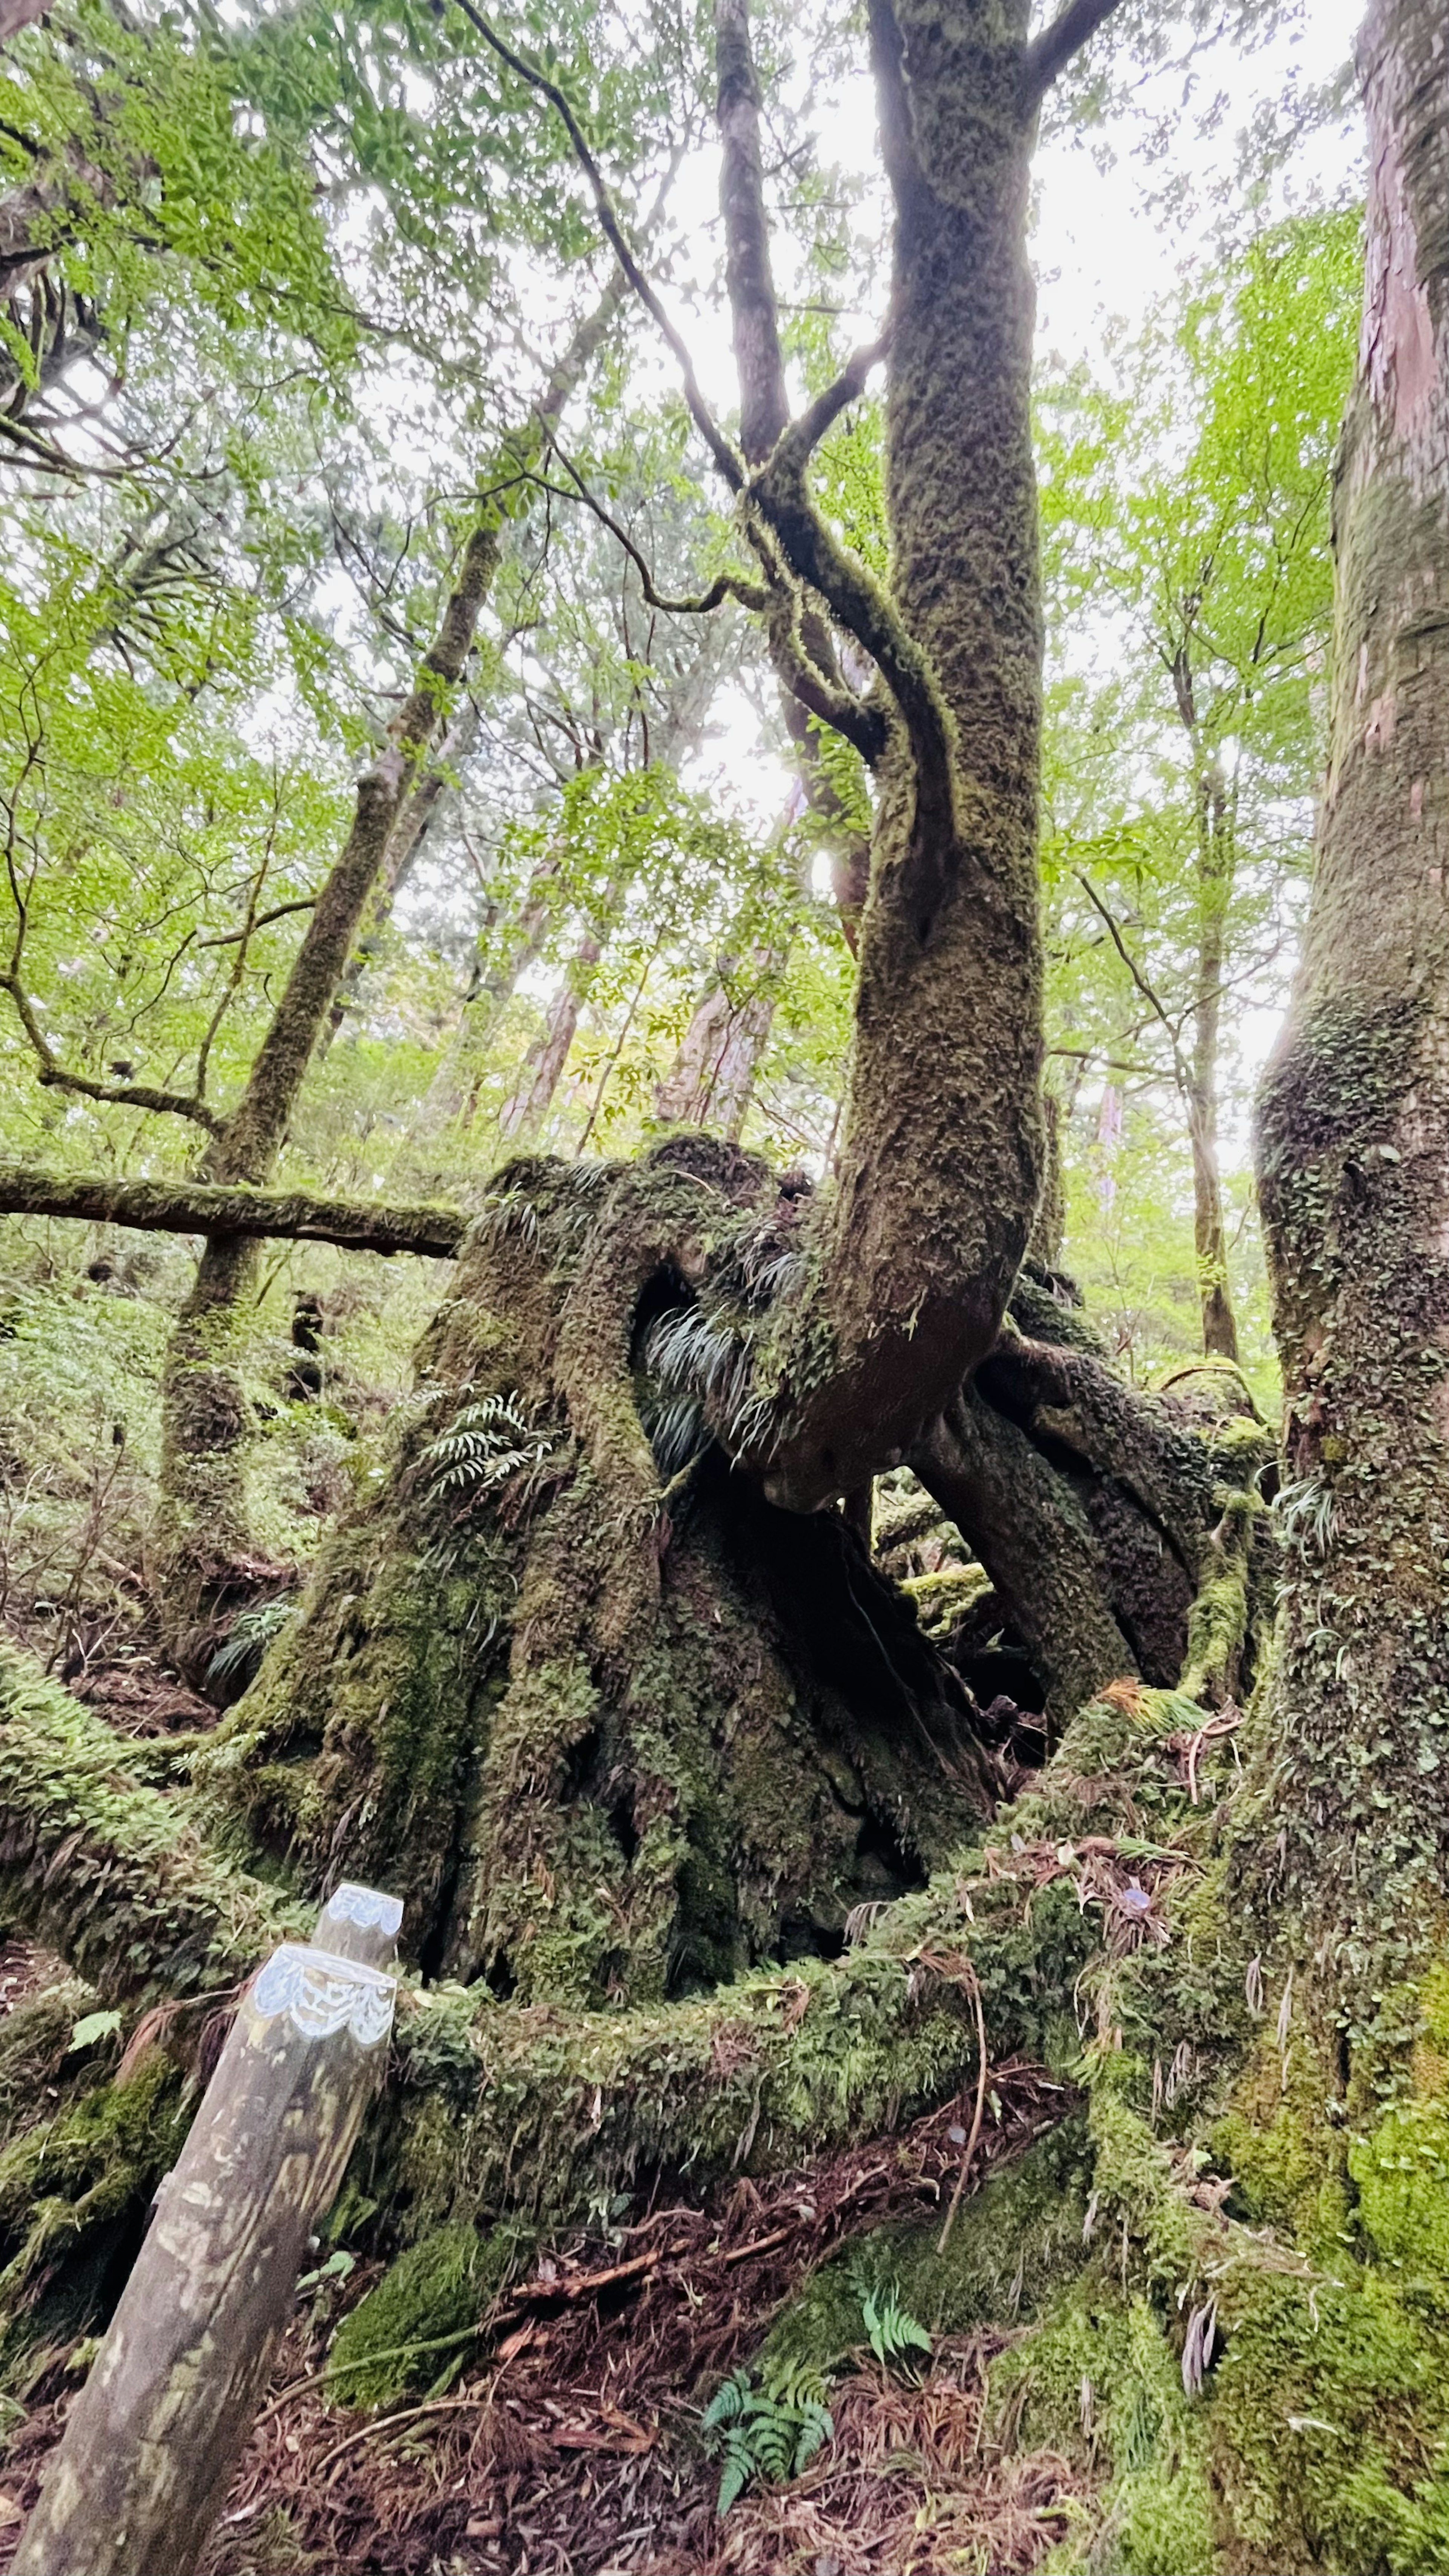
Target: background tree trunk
{"points": [[200, 1546], [1353, 1150], [1214, 888]]}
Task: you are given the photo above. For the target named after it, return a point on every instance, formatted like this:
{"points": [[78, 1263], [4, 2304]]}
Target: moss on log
{"points": [[113, 1874], [205, 1207]]}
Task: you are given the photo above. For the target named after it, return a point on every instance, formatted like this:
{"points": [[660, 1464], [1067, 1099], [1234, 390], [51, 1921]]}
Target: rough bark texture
{"points": [[620, 1726], [913, 1258], [1354, 1113]]}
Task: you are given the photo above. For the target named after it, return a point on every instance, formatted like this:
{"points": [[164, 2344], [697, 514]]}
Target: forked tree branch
{"points": [[1050, 52], [126, 1095], [720, 448]]}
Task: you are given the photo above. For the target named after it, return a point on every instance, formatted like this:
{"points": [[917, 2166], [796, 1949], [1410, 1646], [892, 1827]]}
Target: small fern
{"points": [[239, 1656], [482, 1447], [893, 2331], [763, 2433]]}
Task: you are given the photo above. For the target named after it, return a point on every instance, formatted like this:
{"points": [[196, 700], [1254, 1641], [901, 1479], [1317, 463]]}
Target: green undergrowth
{"points": [[1097, 2382], [421, 2323], [74, 2188], [1008, 2248]]}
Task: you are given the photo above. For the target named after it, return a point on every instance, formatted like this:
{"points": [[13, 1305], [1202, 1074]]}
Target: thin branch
{"points": [[279, 912], [1139, 979], [1048, 56], [721, 449], [726, 585]]}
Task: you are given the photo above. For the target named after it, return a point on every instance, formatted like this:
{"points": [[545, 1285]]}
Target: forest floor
{"points": [[574, 2448]]}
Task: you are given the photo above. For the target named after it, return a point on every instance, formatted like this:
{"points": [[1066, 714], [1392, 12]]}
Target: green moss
{"points": [[1402, 2173], [1010, 2246], [413, 2328], [1097, 2381], [138, 1904], [68, 2186]]}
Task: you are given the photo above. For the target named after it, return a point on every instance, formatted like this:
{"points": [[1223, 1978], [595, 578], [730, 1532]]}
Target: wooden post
{"points": [[147, 2455]]}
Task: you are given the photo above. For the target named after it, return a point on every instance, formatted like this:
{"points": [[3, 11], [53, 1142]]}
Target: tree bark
{"points": [[1034, 1540], [914, 1254], [1215, 864], [713, 1074], [712, 1078], [1353, 1145], [201, 1207], [531, 1098]]}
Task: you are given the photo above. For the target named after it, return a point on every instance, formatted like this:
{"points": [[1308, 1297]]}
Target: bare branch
{"points": [[726, 585], [279, 912], [725, 456], [1139, 979], [1053, 49], [125, 1095]]}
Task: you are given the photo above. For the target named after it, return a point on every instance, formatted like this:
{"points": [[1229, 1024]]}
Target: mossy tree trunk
{"points": [[1354, 1113], [911, 1260]]}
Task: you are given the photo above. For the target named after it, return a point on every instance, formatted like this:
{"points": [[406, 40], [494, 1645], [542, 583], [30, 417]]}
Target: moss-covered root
{"points": [[550, 2112], [74, 2190], [421, 2323], [107, 1871]]}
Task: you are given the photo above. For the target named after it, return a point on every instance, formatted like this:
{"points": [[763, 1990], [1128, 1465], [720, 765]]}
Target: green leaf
{"points": [[93, 2026]]}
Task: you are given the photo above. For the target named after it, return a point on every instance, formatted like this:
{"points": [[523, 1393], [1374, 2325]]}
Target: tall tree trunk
{"points": [[915, 1253], [1353, 1151], [712, 1078], [1215, 861], [200, 1543], [409, 839], [453, 1092], [696, 1091], [531, 1098]]}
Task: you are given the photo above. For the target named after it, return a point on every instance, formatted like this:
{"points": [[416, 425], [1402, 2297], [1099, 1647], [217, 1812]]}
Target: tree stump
{"points": [[153, 2438]]}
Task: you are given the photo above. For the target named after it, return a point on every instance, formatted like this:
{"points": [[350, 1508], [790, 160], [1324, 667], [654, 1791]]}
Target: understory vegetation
{"points": [[654, 1293]]}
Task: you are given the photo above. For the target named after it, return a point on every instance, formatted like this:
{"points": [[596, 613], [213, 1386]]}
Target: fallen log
{"points": [[204, 1207]]}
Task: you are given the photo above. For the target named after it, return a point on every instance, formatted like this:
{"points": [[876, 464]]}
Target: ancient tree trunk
{"points": [[408, 840], [1354, 1113], [621, 1727]]}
